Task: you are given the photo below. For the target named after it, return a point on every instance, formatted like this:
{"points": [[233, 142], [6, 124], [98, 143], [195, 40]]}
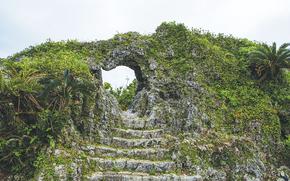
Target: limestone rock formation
{"points": [[197, 113]]}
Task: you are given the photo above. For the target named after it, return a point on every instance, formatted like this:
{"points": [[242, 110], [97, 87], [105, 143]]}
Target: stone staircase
{"points": [[136, 152]]}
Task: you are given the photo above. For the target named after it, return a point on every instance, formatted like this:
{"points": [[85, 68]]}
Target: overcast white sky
{"points": [[30, 22]]}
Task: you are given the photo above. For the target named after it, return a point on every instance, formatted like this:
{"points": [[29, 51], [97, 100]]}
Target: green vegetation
{"points": [[236, 102], [47, 88], [38, 94], [124, 95], [268, 60], [217, 150]]}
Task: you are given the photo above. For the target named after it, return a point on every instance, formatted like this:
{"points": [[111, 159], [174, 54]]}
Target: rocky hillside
{"points": [[199, 113]]}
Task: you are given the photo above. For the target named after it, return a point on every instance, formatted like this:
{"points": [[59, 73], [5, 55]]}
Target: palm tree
{"points": [[268, 61]]}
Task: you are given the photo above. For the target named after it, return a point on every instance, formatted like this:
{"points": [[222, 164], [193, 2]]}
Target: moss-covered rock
{"points": [[195, 85]]}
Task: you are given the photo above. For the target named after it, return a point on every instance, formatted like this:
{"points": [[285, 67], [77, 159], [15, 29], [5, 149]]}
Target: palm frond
{"points": [[285, 55], [268, 60], [284, 46], [266, 49], [274, 48]]}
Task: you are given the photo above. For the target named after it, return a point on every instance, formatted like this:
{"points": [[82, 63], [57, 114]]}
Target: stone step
{"points": [[143, 153], [132, 133], [123, 164], [139, 124], [132, 121], [133, 143], [129, 176]]}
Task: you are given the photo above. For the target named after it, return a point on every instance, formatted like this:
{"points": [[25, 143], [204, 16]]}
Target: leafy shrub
{"points": [[124, 95], [37, 93]]}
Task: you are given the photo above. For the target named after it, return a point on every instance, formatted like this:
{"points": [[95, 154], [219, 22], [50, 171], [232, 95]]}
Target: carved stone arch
{"points": [[126, 58]]}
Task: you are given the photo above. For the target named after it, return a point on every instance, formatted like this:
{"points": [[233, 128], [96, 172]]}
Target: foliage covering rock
{"points": [[197, 86]]}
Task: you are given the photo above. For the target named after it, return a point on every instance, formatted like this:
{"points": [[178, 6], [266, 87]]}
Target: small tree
{"points": [[267, 61]]}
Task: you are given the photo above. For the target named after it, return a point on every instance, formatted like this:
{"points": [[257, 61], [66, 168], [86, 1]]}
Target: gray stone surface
{"points": [[146, 166], [146, 153], [132, 121], [122, 176], [145, 143], [155, 133]]}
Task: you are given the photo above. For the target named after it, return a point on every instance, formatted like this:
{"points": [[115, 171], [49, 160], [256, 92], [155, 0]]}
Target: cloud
{"points": [[25, 23]]}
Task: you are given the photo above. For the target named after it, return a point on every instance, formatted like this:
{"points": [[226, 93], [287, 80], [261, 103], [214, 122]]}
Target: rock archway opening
{"points": [[124, 83], [118, 77]]}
